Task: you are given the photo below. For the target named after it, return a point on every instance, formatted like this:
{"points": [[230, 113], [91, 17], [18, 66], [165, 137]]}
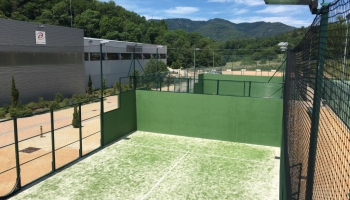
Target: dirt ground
{"points": [[38, 163]]}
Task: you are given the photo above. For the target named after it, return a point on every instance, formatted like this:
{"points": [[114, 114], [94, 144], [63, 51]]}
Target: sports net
{"points": [[316, 140]]}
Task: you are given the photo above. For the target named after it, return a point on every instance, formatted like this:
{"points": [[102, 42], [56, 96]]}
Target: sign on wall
{"points": [[130, 48], [40, 37]]}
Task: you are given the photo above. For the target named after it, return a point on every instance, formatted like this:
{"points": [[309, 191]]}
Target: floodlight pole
{"points": [[157, 66], [101, 97], [134, 67], [213, 60], [194, 64]]}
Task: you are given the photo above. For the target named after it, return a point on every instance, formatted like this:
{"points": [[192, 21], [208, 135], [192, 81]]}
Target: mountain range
{"points": [[223, 30]]}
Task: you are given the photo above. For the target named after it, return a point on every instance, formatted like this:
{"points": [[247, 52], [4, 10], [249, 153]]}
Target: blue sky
{"points": [[236, 11]]}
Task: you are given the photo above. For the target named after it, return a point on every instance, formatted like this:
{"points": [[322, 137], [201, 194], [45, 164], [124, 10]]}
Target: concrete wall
{"points": [[237, 119], [40, 70]]}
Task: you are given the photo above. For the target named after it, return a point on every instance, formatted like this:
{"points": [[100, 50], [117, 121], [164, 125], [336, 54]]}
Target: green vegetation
{"points": [[8, 111], [152, 67], [75, 120], [223, 30], [89, 85], [14, 94]]}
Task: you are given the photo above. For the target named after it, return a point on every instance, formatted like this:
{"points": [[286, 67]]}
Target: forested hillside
{"points": [[110, 21], [223, 30]]}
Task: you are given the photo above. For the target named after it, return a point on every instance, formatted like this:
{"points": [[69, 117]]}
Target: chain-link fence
{"points": [[35, 145], [316, 139]]}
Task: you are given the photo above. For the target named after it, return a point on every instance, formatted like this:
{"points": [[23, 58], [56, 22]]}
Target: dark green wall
{"points": [[242, 86], [122, 121], [238, 119]]}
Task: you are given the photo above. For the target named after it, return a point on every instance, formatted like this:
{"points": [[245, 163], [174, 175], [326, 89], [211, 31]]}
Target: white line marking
{"points": [[201, 154], [161, 179]]}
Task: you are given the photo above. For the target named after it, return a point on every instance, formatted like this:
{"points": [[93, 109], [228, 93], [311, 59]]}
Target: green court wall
{"points": [[276, 79], [122, 121], [242, 86], [237, 119]]}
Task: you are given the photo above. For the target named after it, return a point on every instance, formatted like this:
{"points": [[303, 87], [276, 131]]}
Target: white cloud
{"points": [[287, 10], [250, 2], [236, 11], [219, 1], [244, 2], [182, 10]]}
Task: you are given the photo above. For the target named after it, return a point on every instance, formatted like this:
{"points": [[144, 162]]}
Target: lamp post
{"points": [[101, 92], [213, 60], [346, 44], [194, 64], [158, 47], [283, 46], [134, 66]]}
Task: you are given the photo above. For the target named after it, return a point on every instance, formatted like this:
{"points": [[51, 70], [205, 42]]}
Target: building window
{"points": [[86, 56], [126, 56], [162, 56], [94, 56], [113, 56], [138, 56], [146, 56]]}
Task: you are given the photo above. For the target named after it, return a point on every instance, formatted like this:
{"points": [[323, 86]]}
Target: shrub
{"points": [[42, 103], [21, 111], [65, 102], [14, 93], [33, 106], [75, 121], [53, 104], [2, 113], [90, 89], [6, 108], [80, 98], [59, 97]]}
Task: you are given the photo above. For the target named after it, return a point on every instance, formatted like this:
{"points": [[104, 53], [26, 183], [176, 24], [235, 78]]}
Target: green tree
{"points": [[151, 66], [89, 85], [59, 97], [14, 93], [75, 120], [89, 20]]}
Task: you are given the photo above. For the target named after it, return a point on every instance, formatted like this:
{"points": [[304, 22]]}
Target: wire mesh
{"points": [[34, 134], [316, 114], [8, 174], [91, 122], [66, 136]]}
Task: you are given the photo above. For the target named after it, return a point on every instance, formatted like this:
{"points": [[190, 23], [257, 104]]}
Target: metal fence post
{"points": [[160, 84], [324, 11], [244, 89], [217, 87], [188, 85], [53, 141], [80, 134], [168, 83], [250, 87], [18, 167]]}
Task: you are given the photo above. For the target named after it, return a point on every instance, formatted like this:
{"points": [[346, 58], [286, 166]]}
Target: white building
{"points": [[117, 59]]}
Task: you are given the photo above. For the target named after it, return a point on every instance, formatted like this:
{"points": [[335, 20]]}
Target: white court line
{"points": [[161, 179], [202, 154]]}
